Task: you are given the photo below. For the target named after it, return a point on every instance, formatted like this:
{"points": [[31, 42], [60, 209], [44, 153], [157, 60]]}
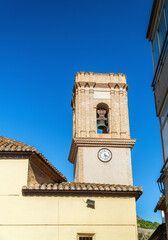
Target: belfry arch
{"points": [[102, 117]]}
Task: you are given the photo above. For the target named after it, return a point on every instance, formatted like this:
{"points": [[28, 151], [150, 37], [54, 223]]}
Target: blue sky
{"points": [[44, 43]]}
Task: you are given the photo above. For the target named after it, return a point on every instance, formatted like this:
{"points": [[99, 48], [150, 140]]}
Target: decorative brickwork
{"points": [[36, 176]]}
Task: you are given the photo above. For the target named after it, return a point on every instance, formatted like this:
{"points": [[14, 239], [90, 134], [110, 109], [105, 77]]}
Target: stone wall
{"points": [[144, 234]]}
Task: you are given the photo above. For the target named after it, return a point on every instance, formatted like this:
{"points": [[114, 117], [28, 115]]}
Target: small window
{"points": [[164, 114], [89, 236], [155, 53], [164, 135], [166, 12], [85, 238], [162, 32], [164, 130]]}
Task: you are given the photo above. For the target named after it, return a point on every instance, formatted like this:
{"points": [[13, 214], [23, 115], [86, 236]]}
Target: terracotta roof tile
{"points": [[82, 187], [161, 204], [10, 145]]}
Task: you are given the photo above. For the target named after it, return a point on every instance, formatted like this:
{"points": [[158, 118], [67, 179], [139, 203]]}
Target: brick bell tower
{"points": [[101, 145]]}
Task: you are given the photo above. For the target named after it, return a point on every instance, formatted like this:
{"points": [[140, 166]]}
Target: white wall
{"points": [[117, 171]]}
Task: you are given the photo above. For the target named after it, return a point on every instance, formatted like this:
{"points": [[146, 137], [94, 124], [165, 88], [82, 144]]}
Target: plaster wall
{"points": [[53, 217], [117, 171], [13, 175], [67, 232]]}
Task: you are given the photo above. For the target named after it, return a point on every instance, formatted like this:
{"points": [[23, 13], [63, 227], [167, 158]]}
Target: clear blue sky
{"points": [[44, 43]]}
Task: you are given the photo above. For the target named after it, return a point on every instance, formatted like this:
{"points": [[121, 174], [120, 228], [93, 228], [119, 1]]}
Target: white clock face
{"points": [[104, 155]]}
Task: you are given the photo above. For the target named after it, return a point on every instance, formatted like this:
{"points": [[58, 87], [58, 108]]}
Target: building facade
{"points": [[158, 36], [36, 200]]}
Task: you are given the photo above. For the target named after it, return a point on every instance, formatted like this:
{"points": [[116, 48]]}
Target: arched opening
{"points": [[102, 112]]}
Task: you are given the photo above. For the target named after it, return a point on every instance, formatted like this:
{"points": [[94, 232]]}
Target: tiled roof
{"points": [[10, 145], [82, 187], [161, 204]]}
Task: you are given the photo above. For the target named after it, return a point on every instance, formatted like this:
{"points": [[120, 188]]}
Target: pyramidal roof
{"points": [[10, 145]]}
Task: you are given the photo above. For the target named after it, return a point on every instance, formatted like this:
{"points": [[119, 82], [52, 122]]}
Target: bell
{"points": [[101, 124]]}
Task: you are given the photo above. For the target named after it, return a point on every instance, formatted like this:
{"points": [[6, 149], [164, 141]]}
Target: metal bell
{"points": [[101, 124]]}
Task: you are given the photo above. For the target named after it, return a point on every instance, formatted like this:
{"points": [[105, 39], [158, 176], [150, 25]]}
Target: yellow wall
{"points": [[13, 175], [60, 218], [63, 217]]}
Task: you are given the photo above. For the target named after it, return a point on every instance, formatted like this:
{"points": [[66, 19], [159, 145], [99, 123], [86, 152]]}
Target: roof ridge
{"points": [[11, 145]]}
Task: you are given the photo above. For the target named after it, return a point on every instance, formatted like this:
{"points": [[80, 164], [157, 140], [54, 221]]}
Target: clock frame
{"points": [[106, 150]]}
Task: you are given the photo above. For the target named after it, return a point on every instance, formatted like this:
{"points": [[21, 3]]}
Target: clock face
{"points": [[104, 155]]}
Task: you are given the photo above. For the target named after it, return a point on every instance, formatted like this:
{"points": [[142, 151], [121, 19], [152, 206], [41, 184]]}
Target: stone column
{"points": [[127, 128], [74, 122], [122, 114], [77, 111], [117, 111], [87, 110], [82, 113], [92, 114], [112, 113]]}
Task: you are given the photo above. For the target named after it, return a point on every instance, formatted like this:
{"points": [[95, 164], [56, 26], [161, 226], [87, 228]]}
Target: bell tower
{"points": [[101, 145]]}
